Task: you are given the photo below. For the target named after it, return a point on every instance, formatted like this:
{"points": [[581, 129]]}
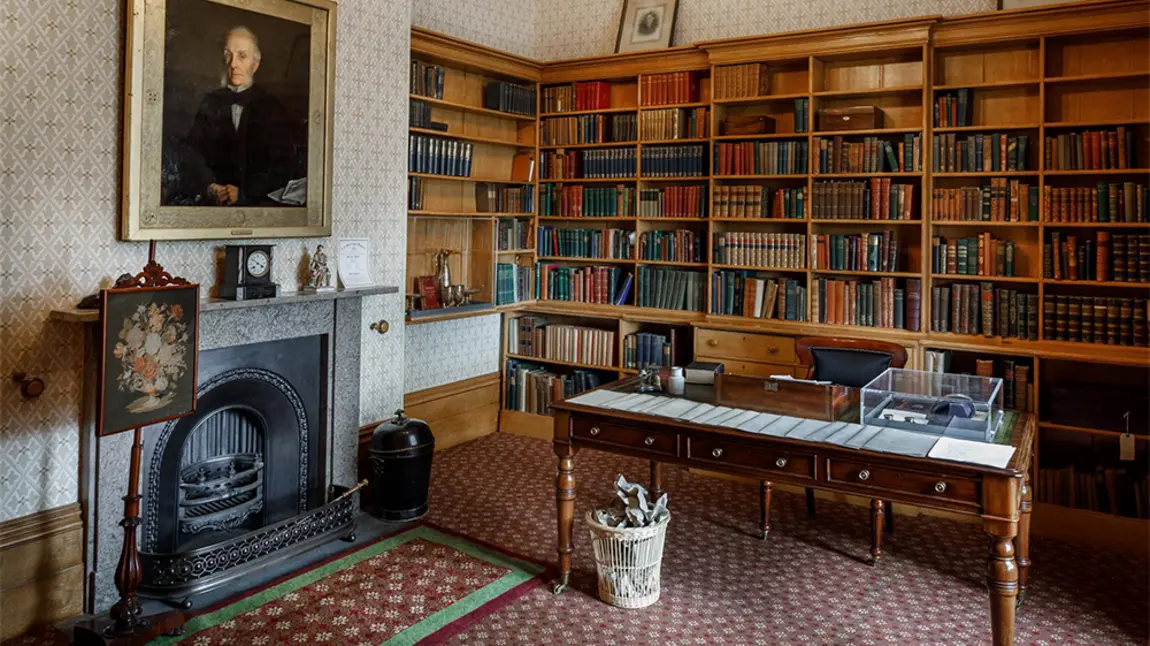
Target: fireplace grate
{"points": [[220, 492]]}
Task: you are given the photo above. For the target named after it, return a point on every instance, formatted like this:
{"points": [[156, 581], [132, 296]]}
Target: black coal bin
{"points": [[401, 450]]}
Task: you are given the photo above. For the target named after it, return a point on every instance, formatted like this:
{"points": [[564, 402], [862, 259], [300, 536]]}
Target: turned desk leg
{"points": [[1022, 542], [877, 512], [765, 489], [1002, 581], [656, 479], [565, 505]]}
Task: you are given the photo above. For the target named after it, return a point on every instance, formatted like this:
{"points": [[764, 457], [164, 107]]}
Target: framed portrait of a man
{"points": [[228, 119]]}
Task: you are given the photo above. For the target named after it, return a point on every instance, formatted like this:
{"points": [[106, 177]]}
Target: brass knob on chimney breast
{"points": [[381, 326], [30, 387]]}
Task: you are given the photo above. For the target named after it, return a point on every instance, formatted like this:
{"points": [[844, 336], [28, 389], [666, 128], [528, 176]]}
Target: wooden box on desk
{"points": [[783, 397], [862, 117]]}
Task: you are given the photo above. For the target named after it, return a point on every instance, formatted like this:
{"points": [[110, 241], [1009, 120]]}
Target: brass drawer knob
{"points": [[774, 349], [864, 475], [594, 430], [940, 487], [649, 441], [781, 462], [718, 453], [712, 342]]}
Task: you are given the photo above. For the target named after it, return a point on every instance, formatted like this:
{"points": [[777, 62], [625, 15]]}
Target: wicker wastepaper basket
{"points": [[628, 561]]}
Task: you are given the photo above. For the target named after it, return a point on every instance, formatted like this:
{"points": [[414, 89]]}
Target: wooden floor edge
{"points": [[40, 524]]}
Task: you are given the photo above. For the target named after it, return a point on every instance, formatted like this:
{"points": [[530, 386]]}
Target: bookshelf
{"points": [[483, 209]]}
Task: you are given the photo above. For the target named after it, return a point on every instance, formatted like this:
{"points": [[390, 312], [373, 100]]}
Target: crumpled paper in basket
{"points": [[633, 508]]}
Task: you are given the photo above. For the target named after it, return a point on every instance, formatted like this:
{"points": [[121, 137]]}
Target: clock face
{"points": [[258, 264]]}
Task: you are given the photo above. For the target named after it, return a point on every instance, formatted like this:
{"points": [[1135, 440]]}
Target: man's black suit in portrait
{"points": [[243, 144]]}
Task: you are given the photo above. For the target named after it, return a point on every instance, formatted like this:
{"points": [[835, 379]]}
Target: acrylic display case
{"points": [[961, 406]]}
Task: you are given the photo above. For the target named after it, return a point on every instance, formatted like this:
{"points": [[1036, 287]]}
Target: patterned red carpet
{"points": [[807, 584]]}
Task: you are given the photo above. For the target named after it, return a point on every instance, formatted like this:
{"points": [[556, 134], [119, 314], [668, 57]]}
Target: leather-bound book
{"points": [[1021, 388], [935, 313], [1032, 317], [914, 304], [1139, 322], [1056, 251], [961, 314], [1008, 383], [1049, 316], [1099, 320], [1102, 256], [1144, 258], [1113, 330], [1132, 248], [1061, 316], [1074, 318], [1087, 329], [1002, 307], [1118, 255], [1126, 320], [944, 306]]}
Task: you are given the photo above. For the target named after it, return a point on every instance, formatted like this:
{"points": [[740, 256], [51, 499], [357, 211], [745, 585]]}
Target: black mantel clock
{"points": [[248, 273]]}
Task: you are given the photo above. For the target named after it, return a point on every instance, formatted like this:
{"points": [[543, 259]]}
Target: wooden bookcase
{"points": [[450, 215]]}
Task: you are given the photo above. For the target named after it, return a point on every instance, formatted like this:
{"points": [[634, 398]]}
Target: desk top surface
{"points": [[746, 411]]}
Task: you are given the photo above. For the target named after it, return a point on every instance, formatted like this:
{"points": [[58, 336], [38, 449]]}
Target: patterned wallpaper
{"points": [[440, 353], [507, 25], [59, 121], [573, 28]]}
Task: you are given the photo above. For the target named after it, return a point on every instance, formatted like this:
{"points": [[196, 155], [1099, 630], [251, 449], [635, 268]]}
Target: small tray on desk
{"points": [[783, 397]]}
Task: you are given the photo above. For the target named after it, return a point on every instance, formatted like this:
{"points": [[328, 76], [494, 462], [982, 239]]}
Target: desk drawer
{"points": [[720, 451], [926, 485], [763, 348], [753, 369], [627, 436]]}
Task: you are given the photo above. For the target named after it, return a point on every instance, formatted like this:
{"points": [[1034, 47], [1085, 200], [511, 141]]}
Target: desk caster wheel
{"points": [[175, 632], [559, 585]]}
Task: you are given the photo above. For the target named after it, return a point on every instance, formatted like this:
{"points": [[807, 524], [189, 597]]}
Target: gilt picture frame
{"points": [[148, 356], [646, 24], [227, 120]]}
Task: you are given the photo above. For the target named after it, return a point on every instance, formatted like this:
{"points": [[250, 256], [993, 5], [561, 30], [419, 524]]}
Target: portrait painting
{"points": [[148, 351], [646, 24], [228, 119]]}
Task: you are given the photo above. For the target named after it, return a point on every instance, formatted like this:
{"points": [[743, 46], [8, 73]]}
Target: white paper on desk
{"points": [[956, 450], [672, 408], [757, 423], [782, 426], [698, 411], [717, 412], [844, 434], [823, 433], [733, 422], [862, 437], [354, 265], [728, 414], [801, 381], [806, 427], [893, 440], [626, 403], [597, 398], [654, 401]]}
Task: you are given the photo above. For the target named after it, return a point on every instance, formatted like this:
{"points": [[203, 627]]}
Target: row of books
{"points": [[415, 190], [513, 234], [573, 201], [1108, 202], [802, 115], [742, 293], [588, 129], [1112, 490], [532, 388], [673, 123], [1015, 376], [438, 156], [980, 153], [427, 79], [740, 81], [855, 252], [596, 285], [758, 202], [586, 243], [668, 88], [585, 95], [680, 245], [981, 255], [1105, 257], [978, 308], [871, 155], [643, 349], [1094, 319], [514, 98], [674, 161], [669, 289], [589, 164], [419, 116], [876, 199], [673, 202], [761, 158], [878, 303], [500, 198], [760, 249], [513, 283], [1003, 200], [1091, 150], [536, 336], [952, 109]]}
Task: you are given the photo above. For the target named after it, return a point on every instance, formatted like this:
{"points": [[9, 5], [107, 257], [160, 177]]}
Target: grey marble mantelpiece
{"points": [[77, 315]]}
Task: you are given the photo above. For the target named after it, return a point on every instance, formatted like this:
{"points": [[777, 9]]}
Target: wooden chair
{"points": [[854, 363]]}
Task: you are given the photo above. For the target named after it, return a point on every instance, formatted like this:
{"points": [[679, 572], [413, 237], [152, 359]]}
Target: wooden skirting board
{"points": [[41, 569]]}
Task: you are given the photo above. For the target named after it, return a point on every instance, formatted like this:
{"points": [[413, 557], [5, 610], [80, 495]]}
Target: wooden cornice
{"points": [[608, 66], [1048, 20], [458, 52], [889, 34], [38, 525]]}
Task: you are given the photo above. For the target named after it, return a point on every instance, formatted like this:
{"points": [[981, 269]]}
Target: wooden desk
{"points": [[1001, 497]]}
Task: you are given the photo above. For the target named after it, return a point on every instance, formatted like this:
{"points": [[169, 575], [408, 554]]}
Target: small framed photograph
{"points": [[149, 347], [646, 24]]}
